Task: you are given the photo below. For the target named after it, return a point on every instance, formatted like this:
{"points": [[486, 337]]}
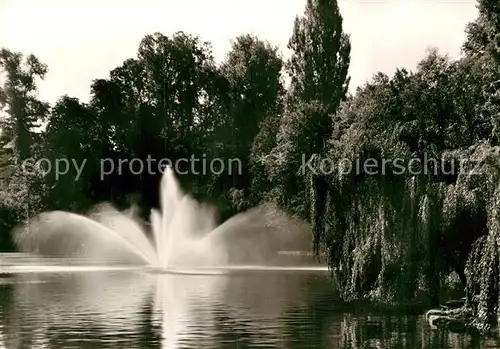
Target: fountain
{"points": [[184, 234]]}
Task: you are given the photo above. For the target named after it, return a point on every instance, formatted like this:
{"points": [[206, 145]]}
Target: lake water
{"points": [[61, 306]]}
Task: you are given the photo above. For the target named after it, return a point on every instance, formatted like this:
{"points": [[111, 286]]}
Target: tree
{"points": [[18, 97], [159, 104], [72, 134], [318, 69], [295, 144], [483, 34], [321, 55], [483, 45], [254, 91], [21, 112]]}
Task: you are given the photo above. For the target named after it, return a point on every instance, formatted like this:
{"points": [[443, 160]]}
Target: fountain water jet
{"points": [[184, 234]]}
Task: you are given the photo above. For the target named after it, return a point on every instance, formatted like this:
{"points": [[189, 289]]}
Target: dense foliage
{"points": [[390, 233]]}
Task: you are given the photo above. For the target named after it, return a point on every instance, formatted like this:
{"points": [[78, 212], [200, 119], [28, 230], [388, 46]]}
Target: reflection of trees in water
{"points": [[131, 310], [149, 333], [233, 333], [241, 310], [310, 325], [328, 323], [372, 331], [397, 331], [73, 311], [280, 311], [27, 328]]}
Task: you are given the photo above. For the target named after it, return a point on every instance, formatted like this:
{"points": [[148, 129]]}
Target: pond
{"points": [[48, 305]]}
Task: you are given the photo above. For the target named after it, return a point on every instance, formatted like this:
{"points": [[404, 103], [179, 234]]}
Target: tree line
{"points": [[388, 237]]}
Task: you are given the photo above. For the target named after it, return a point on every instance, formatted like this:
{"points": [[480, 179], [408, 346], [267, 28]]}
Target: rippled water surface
{"points": [[50, 305]]}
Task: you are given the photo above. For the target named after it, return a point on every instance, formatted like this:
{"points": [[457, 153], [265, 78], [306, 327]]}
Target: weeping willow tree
{"points": [[427, 206], [398, 237], [481, 189], [382, 237]]}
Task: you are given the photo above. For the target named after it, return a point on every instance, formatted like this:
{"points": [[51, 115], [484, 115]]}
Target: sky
{"points": [[82, 40]]}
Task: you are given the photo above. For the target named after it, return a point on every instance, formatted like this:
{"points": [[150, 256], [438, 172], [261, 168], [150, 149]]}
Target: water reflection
{"points": [[72, 309], [243, 309]]}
